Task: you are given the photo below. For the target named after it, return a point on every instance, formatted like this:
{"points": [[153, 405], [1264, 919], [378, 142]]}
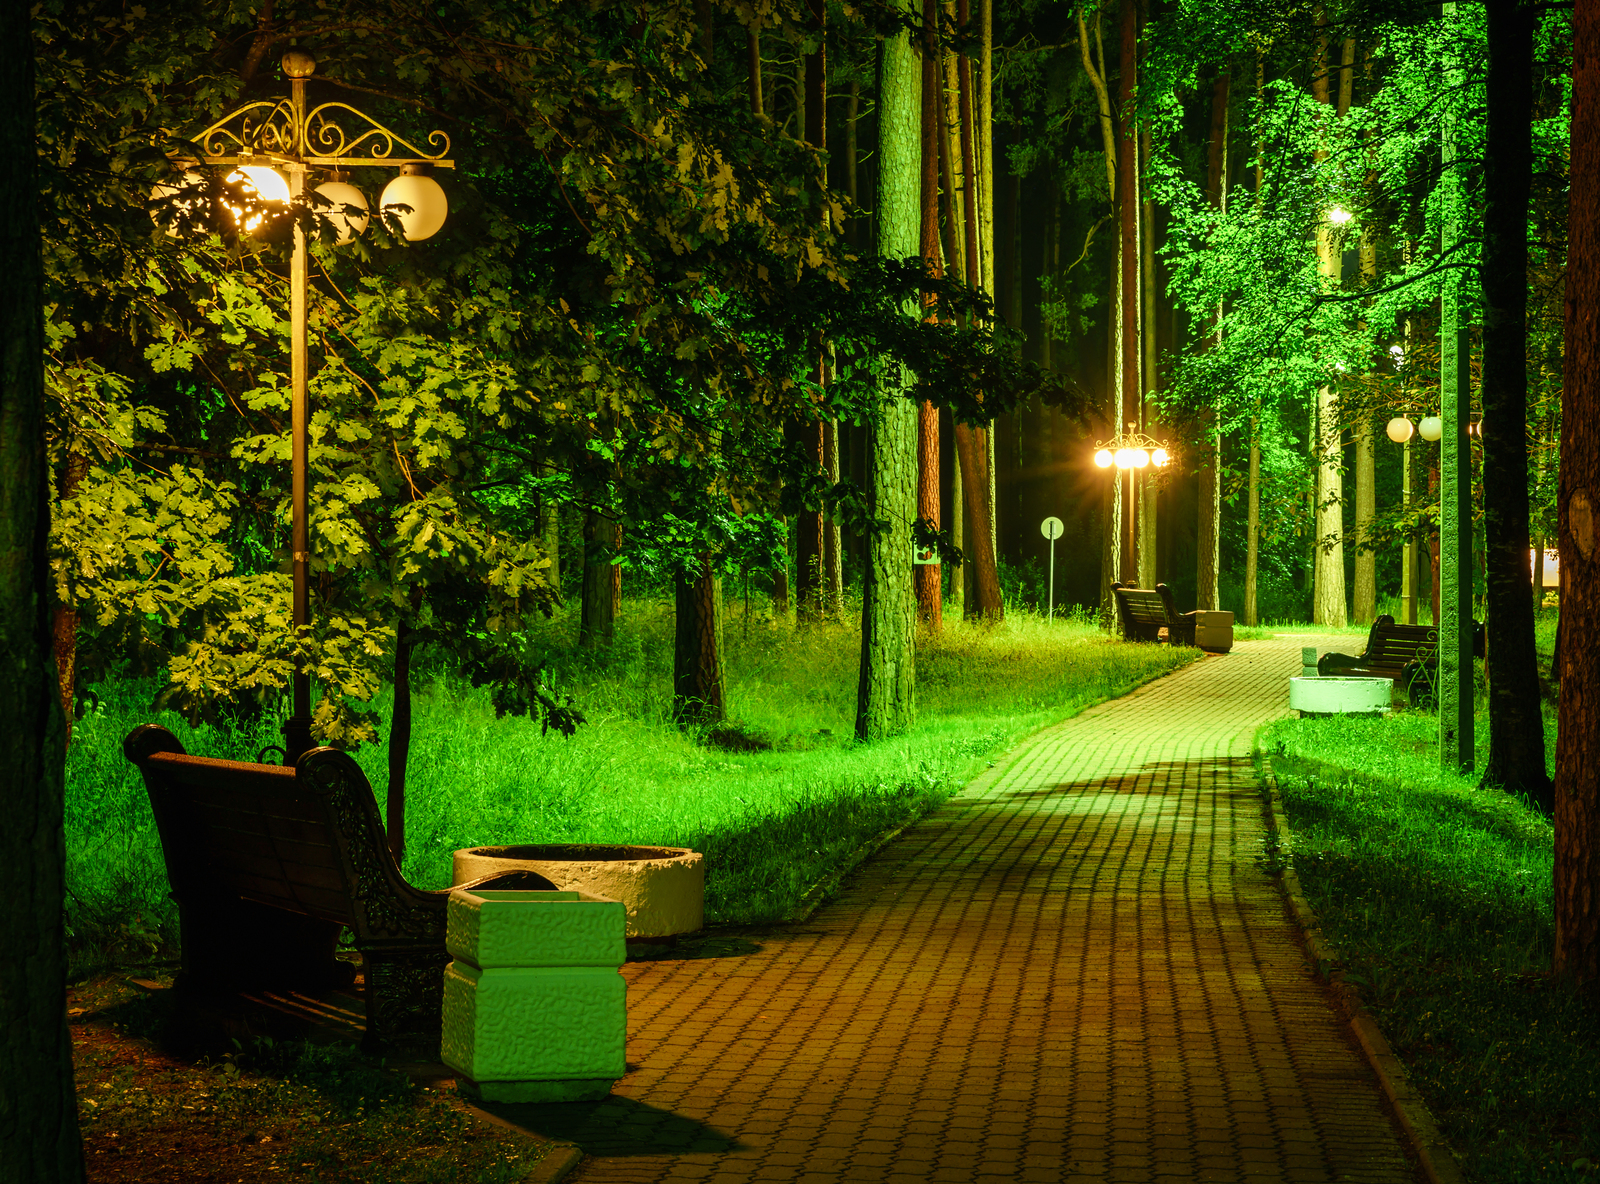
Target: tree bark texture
{"points": [[399, 744], [927, 577], [602, 582], [810, 568], [1128, 222], [1328, 594], [1516, 721], [1577, 795], [974, 460], [1365, 593], [886, 690], [39, 1139], [697, 687], [1148, 576], [550, 535], [64, 617], [1208, 547], [832, 538], [808, 537], [1252, 555]]}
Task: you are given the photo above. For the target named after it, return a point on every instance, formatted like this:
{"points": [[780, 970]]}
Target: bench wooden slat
{"points": [[1144, 612]]}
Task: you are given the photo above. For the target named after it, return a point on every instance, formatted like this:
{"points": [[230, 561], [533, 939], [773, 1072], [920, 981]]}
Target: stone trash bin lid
{"points": [[662, 888]]}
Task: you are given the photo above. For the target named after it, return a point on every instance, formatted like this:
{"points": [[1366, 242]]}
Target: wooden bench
{"points": [[1144, 612], [268, 864], [1406, 654]]}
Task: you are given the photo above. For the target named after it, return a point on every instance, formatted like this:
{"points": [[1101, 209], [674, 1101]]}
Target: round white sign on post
{"points": [[1051, 528]]}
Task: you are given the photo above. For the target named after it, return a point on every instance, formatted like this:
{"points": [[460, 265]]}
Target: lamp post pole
{"points": [[297, 728], [295, 138]]}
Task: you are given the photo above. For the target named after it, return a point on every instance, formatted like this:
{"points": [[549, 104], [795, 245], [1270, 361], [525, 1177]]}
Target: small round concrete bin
{"points": [[663, 888], [1339, 696]]}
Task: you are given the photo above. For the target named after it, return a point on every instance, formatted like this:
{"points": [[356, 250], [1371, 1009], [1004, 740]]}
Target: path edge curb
{"points": [[1438, 1161], [556, 1165]]}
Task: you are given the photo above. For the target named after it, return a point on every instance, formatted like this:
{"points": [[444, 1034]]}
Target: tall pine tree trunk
{"points": [[1128, 224], [1208, 550], [1328, 598], [1252, 556], [1365, 593], [1516, 722], [1148, 576], [927, 576], [886, 690], [811, 532], [39, 1140], [1577, 793]]}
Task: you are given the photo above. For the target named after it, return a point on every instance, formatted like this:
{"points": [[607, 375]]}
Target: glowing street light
{"points": [[1130, 451], [261, 142], [1399, 429]]}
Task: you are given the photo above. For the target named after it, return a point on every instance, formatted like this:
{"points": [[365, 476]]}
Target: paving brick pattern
{"points": [[1074, 971]]}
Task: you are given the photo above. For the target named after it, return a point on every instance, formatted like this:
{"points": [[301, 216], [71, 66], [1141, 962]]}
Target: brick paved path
{"points": [[1074, 971]]}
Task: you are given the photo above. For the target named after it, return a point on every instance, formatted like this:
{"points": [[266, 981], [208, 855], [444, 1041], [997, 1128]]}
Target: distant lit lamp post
{"points": [[263, 140], [1130, 451]]}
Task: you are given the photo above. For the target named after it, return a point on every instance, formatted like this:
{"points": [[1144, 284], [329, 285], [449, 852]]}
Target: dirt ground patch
{"points": [[168, 1096]]}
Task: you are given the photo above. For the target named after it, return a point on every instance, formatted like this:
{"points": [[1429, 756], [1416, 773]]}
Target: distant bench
{"points": [[1144, 612], [268, 863], [1406, 654]]}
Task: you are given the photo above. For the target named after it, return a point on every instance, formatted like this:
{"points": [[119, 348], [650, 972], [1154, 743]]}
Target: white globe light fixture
{"points": [[1431, 428], [1124, 458], [1158, 457], [1338, 216], [347, 209], [271, 187], [1140, 458], [1102, 459], [414, 188], [1399, 429]]}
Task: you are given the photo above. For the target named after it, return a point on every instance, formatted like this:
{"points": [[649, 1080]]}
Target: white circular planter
{"points": [[663, 888], [1340, 696]]}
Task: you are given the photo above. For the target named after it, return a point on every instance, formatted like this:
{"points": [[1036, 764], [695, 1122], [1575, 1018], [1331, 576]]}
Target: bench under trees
{"points": [[1144, 613], [268, 864], [1406, 654]]}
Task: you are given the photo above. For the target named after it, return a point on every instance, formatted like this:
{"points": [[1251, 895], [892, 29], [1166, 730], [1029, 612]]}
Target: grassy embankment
{"points": [[1439, 895], [771, 821]]}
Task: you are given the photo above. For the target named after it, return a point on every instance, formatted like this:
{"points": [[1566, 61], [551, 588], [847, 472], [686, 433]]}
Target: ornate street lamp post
{"points": [[258, 140], [1130, 451]]}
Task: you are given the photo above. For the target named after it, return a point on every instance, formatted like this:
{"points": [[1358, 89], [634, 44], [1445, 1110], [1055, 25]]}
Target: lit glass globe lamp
{"points": [[1399, 429], [423, 197]]}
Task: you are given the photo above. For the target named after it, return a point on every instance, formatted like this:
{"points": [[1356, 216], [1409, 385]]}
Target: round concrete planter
{"points": [[1340, 696], [663, 888]]}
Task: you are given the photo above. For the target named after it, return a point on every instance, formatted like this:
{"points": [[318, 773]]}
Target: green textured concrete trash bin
{"points": [[535, 1009]]}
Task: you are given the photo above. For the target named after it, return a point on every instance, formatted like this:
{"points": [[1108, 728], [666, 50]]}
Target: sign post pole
{"points": [[1051, 529]]}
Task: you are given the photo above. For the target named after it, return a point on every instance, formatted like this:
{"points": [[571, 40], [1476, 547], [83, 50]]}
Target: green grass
{"points": [[771, 822], [1439, 894]]}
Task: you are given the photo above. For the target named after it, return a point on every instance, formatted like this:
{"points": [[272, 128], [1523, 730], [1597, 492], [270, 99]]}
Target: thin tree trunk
{"points": [[1252, 557], [960, 602], [1328, 597], [597, 621], [753, 67], [974, 475], [1252, 563], [1516, 721], [64, 617], [1128, 203], [811, 544], [832, 540], [886, 690], [1365, 593], [399, 744], [697, 687], [39, 1139], [927, 576], [1208, 547], [1148, 576], [550, 533]]}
